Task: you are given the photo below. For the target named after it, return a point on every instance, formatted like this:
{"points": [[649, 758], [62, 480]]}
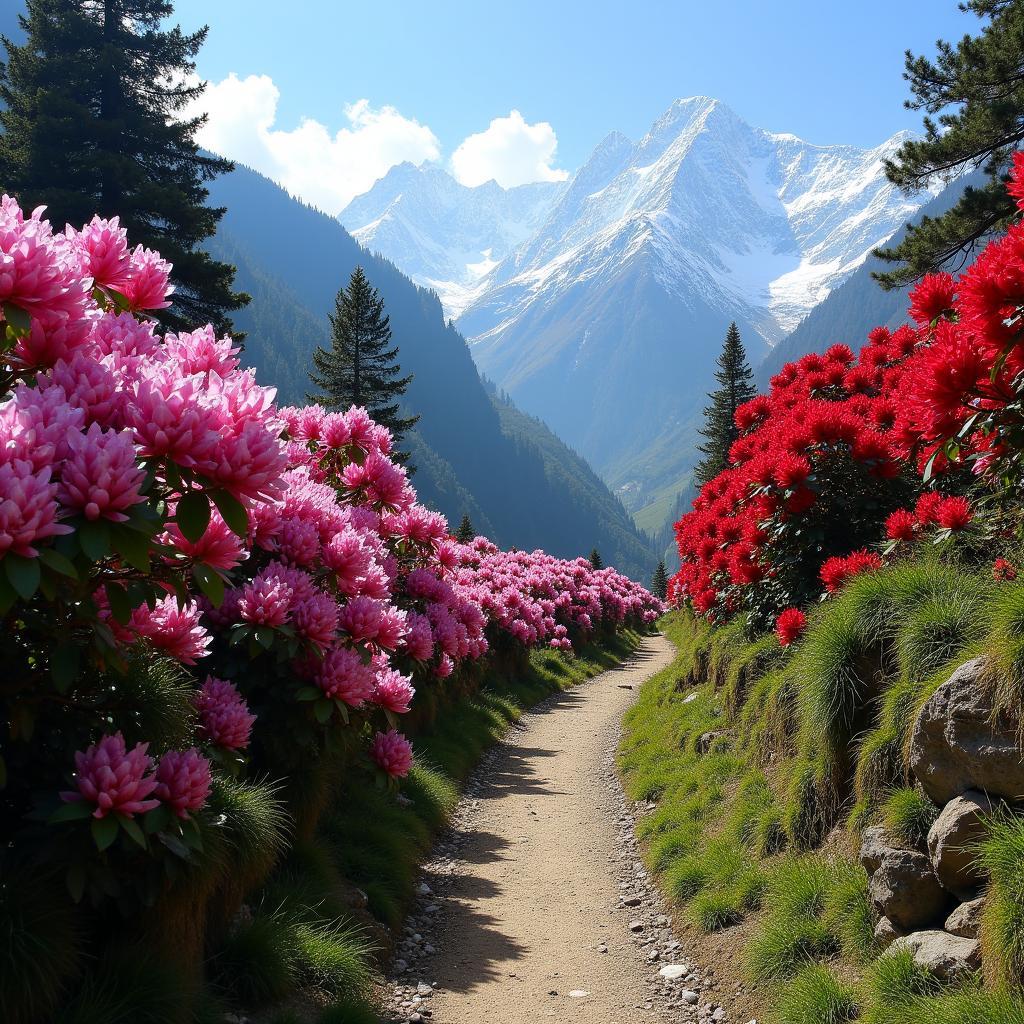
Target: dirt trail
{"points": [[525, 917]]}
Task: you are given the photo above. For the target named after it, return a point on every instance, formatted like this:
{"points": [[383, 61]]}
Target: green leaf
{"points": [[58, 563], [323, 709], [265, 637], [104, 832], [64, 663], [342, 709], [133, 546], [132, 828], [120, 605], [77, 811], [7, 595], [94, 536], [193, 515], [18, 318], [210, 583], [308, 693], [232, 511], [156, 819], [174, 844], [23, 573], [75, 881]]}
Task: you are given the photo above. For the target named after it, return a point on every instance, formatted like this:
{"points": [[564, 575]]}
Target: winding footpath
{"points": [[535, 904]]}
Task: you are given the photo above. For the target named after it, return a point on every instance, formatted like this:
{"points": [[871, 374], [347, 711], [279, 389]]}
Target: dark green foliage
{"points": [[90, 113], [360, 368], [659, 581], [595, 559], [128, 986], [40, 943], [1002, 857], [465, 533], [736, 386], [976, 90]]}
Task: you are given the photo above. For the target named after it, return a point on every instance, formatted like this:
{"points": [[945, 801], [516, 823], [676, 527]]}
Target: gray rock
{"points": [[874, 845], [952, 840], [673, 972], [965, 921], [886, 933], [956, 745], [689, 996], [904, 889], [948, 957], [636, 926]]}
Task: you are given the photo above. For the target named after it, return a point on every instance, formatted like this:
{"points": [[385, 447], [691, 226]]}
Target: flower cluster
{"points": [[154, 499], [833, 457]]}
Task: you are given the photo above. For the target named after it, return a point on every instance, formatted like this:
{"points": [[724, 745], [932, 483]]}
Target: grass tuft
{"points": [[816, 996]]}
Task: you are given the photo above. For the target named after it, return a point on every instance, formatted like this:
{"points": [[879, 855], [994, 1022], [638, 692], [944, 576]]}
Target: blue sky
{"points": [[433, 74]]}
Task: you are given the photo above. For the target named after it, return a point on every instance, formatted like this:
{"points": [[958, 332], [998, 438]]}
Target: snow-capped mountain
{"points": [[444, 235], [607, 316]]}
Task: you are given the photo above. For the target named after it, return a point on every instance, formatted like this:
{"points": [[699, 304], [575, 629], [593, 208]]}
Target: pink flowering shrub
{"points": [[233, 586]]}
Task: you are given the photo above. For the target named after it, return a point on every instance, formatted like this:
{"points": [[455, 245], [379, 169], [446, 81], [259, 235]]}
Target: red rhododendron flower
{"points": [[900, 525], [953, 513], [790, 626], [837, 571], [931, 298], [1003, 570]]}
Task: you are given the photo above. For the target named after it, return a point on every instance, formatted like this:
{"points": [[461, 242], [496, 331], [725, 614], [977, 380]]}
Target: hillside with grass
{"points": [[769, 766]]}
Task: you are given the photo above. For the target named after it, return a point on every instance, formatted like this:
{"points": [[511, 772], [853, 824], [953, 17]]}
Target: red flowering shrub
{"points": [[827, 458]]}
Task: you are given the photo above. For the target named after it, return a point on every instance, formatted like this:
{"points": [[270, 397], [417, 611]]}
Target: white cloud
{"points": [[325, 169], [510, 151]]}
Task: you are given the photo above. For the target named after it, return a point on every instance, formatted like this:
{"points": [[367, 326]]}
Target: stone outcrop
{"points": [[948, 957], [956, 745], [952, 842], [904, 889], [965, 921]]}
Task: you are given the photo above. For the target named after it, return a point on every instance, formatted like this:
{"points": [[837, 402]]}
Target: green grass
{"points": [[819, 739], [1001, 855], [816, 996], [909, 814]]}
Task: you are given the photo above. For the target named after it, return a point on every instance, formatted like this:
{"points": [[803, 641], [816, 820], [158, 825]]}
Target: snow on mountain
{"points": [[600, 304], [444, 235]]}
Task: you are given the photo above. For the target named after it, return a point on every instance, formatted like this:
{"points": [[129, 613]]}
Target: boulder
{"points": [[904, 889], [956, 745], [948, 957], [874, 845], [965, 921], [886, 933], [952, 839]]}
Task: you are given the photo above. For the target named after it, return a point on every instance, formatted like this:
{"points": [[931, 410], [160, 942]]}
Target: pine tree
{"points": [[977, 90], [659, 581], [93, 115], [465, 532], [359, 368], [595, 559], [736, 381]]}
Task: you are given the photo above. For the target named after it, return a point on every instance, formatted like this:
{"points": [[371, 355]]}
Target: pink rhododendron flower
{"points": [[201, 352], [393, 691], [392, 753], [103, 250], [100, 477], [171, 629], [219, 547], [147, 283], [224, 716], [343, 675], [361, 618], [316, 619], [265, 601], [183, 780], [115, 780], [28, 508]]}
